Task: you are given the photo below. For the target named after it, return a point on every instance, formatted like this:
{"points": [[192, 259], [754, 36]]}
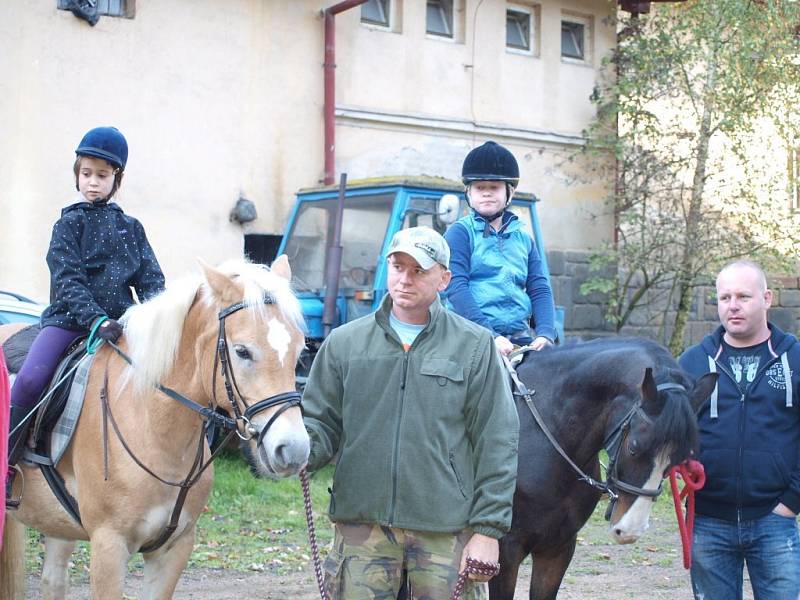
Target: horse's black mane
{"points": [[619, 363]]}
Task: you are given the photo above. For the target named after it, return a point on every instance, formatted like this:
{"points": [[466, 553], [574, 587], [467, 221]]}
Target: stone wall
{"points": [[584, 315]]}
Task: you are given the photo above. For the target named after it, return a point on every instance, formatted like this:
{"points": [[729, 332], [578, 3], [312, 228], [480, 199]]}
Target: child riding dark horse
{"points": [[625, 395]]}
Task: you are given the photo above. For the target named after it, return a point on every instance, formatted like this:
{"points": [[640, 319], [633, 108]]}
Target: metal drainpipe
{"points": [[329, 71]]}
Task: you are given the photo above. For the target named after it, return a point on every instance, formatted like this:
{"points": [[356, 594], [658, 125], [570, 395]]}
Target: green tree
{"points": [[696, 98]]}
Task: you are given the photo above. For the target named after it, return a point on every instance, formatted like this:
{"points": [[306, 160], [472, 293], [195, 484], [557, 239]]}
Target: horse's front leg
{"points": [[549, 569], [163, 568], [55, 580], [502, 585], [109, 563]]}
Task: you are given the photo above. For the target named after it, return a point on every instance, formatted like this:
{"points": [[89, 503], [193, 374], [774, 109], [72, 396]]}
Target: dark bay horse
{"points": [[627, 395]]}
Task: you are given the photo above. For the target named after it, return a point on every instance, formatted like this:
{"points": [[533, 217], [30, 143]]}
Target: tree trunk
{"points": [[686, 269]]}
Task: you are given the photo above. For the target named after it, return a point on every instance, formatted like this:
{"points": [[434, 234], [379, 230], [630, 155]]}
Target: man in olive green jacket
{"points": [[415, 402]]}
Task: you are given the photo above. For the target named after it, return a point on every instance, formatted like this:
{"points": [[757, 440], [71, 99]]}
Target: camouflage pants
{"points": [[366, 562]]}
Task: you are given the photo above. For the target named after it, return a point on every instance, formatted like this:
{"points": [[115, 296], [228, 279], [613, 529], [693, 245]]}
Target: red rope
{"points": [[694, 478]]}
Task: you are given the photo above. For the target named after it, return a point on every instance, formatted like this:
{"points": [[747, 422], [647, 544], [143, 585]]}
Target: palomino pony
{"points": [[230, 339], [625, 395]]}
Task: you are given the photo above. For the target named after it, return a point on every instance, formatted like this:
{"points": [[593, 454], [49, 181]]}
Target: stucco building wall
{"points": [[222, 99]]}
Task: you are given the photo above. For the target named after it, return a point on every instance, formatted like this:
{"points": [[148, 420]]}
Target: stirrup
{"points": [[13, 503]]}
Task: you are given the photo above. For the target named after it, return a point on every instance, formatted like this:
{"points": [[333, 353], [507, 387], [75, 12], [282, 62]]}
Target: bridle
{"points": [[239, 424], [285, 400], [613, 444], [615, 440]]}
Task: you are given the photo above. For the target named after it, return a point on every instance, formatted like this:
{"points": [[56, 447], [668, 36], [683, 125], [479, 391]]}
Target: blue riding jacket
{"points": [[498, 280], [749, 436]]}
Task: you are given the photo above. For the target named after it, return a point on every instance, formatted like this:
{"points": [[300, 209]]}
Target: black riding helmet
{"points": [[491, 162]]}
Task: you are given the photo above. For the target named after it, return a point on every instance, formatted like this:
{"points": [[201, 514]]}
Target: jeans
{"points": [[769, 546]]}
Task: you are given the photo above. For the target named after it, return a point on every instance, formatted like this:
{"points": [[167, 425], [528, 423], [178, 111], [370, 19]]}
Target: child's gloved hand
{"points": [[109, 330]]}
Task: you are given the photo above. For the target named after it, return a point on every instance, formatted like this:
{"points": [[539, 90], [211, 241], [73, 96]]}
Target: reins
{"points": [[612, 443], [209, 416]]}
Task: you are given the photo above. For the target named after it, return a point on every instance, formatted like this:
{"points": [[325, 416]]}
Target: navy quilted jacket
{"points": [[97, 253]]}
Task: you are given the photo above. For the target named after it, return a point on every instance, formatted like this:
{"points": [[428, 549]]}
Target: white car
{"points": [[19, 309]]}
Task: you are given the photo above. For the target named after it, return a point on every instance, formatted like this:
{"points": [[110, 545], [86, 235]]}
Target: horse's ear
{"points": [[281, 267], [650, 402], [702, 390], [222, 286]]}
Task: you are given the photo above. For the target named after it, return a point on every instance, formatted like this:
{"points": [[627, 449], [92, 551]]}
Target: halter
{"points": [[614, 440]]}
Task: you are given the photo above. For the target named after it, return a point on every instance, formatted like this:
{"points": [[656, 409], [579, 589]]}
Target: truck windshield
{"points": [[364, 224]]}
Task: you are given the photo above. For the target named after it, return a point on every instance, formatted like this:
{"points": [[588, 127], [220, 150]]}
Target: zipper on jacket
{"points": [[458, 476], [405, 372], [742, 423], [397, 439]]}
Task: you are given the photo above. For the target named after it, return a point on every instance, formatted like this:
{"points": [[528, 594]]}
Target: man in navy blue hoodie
{"points": [[749, 445]]}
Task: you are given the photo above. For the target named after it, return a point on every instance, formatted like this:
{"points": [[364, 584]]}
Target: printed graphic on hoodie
{"points": [[776, 377], [744, 367]]}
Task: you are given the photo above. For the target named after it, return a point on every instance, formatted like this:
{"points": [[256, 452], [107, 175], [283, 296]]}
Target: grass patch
{"points": [[257, 524], [250, 523]]}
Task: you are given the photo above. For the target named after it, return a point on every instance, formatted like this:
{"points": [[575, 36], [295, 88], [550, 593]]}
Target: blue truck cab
{"points": [[374, 210]]}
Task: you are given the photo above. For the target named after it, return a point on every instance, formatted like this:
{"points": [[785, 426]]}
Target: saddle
{"points": [[55, 418]]}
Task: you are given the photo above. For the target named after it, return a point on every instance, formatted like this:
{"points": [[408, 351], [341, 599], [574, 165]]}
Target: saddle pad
{"points": [[65, 425]]}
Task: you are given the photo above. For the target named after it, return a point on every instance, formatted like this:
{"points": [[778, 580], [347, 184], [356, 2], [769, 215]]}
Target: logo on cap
{"points": [[427, 249]]}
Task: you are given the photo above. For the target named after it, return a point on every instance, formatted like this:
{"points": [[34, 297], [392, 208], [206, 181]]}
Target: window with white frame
{"points": [[573, 39], [519, 27], [794, 178], [110, 8], [377, 12], [439, 18]]}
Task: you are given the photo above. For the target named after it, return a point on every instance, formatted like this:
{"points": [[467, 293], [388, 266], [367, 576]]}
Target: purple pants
{"points": [[40, 364]]}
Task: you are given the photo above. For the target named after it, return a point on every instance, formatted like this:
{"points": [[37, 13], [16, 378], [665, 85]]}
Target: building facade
{"points": [[222, 100]]}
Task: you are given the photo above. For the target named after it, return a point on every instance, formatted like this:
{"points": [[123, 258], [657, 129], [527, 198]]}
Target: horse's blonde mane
{"points": [[153, 329]]}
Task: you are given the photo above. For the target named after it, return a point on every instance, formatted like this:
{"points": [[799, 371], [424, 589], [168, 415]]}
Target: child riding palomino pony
{"points": [[229, 339]]}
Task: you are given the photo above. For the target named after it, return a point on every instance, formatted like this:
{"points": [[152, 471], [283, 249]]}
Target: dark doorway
{"points": [[261, 248]]}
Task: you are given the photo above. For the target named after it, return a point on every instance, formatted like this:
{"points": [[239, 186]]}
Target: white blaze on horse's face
{"points": [[636, 519], [279, 338], [265, 370]]}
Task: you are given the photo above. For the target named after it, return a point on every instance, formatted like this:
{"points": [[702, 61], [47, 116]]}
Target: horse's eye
{"points": [[243, 353], [633, 447]]}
